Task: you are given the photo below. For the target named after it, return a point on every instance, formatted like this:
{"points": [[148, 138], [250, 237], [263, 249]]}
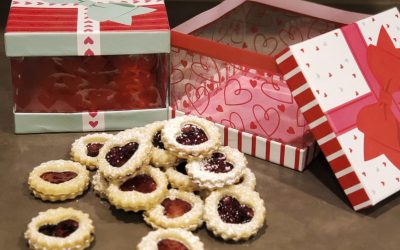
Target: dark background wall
{"points": [[181, 10]]}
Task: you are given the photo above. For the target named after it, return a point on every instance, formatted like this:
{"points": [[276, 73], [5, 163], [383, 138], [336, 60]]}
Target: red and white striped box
{"points": [[223, 69], [347, 85], [88, 65], [260, 147]]}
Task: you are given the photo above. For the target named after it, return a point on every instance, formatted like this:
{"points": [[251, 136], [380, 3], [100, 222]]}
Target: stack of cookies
{"points": [[179, 175]]}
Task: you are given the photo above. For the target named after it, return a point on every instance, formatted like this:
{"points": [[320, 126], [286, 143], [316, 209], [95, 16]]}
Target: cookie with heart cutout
{"points": [[179, 179], [124, 154], [172, 238], [58, 180], [179, 209], [190, 137], [85, 150], [224, 167], [160, 157], [140, 191], [234, 213], [60, 228]]}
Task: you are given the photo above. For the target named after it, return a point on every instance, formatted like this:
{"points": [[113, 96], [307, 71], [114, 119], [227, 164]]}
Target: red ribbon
{"points": [[378, 123]]}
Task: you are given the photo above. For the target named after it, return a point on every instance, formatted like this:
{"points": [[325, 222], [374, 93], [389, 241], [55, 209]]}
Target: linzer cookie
{"points": [[61, 228], [139, 192], [190, 137], [166, 239], [159, 156], [86, 149], [179, 209], [234, 213], [100, 185], [124, 154], [58, 180], [179, 179], [224, 167]]}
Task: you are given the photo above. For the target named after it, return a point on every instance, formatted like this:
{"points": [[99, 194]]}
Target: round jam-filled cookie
{"points": [[179, 179], [61, 228], [140, 192], [247, 180], [224, 167], [159, 156], [124, 154], [86, 149], [167, 239], [234, 213], [179, 209], [100, 185], [58, 180], [190, 137]]}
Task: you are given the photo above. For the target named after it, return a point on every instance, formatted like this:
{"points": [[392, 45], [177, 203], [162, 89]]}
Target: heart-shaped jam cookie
{"points": [[58, 177], [157, 141], [191, 135], [93, 149], [118, 156], [231, 211], [142, 183], [168, 244], [61, 229], [218, 164], [175, 207]]}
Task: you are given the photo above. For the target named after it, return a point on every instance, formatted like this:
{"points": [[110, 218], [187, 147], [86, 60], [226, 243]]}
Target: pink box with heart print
{"points": [[223, 69]]}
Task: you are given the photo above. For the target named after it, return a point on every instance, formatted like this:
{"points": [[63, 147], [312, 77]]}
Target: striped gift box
{"points": [[86, 27], [260, 147], [342, 81]]}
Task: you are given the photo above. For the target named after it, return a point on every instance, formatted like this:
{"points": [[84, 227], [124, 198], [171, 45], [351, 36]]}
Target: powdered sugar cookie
{"points": [[190, 137], [179, 209], [86, 149], [172, 238], [234, 213], [61, 228], [58, 180]]}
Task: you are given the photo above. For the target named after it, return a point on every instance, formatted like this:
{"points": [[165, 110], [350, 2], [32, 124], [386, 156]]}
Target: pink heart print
{"points": [[205, 68], [198, 97], [235, 121], [265, 45], [277, 92], [234, 94], [267, 119], [93, 124]]}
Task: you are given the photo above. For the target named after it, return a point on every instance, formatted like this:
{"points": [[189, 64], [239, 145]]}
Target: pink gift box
{"points": [[346, 83], [223, 69]]}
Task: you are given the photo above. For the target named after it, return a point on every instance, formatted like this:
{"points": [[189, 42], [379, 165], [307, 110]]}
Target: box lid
{"points": [[347, 84], [86, 27]]}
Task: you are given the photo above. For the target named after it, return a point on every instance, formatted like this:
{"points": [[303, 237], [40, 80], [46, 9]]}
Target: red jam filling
{"points": [[62, 229], [141, 183], [118, 156], [181, 168], [93, 149], [157, 141], [58, 177], [175, 208], [231, 211], [191, 135], [218, 164], [168, 244]]}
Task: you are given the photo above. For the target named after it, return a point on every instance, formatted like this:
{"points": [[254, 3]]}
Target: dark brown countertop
{"points": [[304, 210]]}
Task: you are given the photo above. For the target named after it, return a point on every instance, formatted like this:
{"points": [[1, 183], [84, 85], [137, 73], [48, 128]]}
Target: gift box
{"points": [[223, 69], [346, 83], [88, 65]]}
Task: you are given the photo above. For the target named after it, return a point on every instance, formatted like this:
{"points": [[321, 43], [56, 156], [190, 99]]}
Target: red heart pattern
{"points": [[268, 119], [234, 94]]}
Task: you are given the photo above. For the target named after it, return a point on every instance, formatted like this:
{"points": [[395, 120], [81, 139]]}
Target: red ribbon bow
{"points": [[378, 123]]}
